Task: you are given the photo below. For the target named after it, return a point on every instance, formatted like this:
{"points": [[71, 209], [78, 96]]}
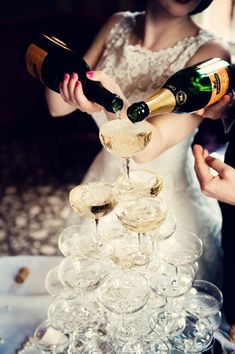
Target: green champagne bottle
{"points": [[48, 59], [188, 90]]}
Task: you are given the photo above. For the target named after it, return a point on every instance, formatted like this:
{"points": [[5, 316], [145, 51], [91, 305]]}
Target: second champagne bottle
{"points": [[188, 90], [48, 59]]}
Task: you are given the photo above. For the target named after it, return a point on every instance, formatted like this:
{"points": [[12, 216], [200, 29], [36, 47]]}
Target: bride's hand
{"points": [[72, 93]]}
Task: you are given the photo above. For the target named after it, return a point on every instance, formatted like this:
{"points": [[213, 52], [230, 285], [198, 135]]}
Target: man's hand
{"points": [[216, 110], [222, 186]]}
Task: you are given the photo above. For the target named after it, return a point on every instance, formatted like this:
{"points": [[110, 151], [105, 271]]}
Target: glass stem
{"points": [[140, 251], [84, 304], [97, 237], [126, 169], [167, 311], [124, 328]]}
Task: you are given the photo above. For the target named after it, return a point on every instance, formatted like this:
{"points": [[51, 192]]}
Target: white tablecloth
{"points": [[22, 306]]}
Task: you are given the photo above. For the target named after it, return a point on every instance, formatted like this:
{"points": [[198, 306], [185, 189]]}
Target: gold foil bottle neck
{"points": [[163, 101]]}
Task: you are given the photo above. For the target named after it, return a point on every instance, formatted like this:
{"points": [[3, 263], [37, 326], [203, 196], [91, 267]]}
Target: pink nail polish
{"points": [[90, 74], [66, 76], [77, 83], [73, 76]]}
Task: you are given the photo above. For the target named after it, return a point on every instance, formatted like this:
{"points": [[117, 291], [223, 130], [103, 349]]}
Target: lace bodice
{"points": [[140, 71]]}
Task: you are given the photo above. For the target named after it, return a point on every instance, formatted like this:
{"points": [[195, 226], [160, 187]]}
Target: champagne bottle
{"points": [[48, 59], [188, 90]]}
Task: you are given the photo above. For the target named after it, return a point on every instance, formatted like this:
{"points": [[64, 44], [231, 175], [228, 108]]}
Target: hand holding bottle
{"points": [[216, 110], [71, 90], [222, 186]]}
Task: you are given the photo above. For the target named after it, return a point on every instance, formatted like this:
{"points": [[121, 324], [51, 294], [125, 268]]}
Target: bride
{"points": [[140, 50]]}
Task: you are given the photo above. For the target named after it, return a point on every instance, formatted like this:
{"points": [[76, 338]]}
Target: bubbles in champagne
{"points": [[142, 214], [94, 199], [123, 138], [143, 182]]}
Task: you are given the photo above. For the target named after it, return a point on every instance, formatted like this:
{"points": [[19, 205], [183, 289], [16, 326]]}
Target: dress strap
{"points": [[119, 33]]}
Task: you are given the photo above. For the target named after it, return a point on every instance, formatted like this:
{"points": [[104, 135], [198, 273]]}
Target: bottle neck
{"points": [[163, 101]]}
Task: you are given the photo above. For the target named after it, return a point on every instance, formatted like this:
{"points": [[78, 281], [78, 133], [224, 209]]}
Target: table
{"points": [[22, 306]]}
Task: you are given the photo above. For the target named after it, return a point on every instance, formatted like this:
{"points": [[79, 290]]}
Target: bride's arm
{"points": [[167, 130]]}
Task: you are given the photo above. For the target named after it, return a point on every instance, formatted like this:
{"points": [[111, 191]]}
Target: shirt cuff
{"points": [[228, 123]]}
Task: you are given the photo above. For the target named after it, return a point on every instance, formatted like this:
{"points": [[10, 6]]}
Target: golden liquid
{"points": [[125, 252], [93, 200], [122, 138], [142, 215], [144, 182]]}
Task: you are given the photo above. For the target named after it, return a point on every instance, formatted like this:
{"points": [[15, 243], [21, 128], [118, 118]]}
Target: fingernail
{"points": [[77, 83], [73, 76], [66, 76], [90, 74]]}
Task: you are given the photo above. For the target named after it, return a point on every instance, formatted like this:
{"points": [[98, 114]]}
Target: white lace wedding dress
{"points": [[139, 72]]}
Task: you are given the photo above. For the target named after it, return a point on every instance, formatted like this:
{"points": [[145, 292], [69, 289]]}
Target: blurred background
{"points": [[41, 157]]}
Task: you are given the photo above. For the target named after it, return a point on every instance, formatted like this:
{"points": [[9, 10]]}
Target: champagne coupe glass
{"points": [[84, 277], [49, 339], [204, 299], [78, 242], [123, 292], [142, 215], [142, 182], [93, 200], [54, 286], [164, 282], [124, 251], [124, 139], [182, 248]]}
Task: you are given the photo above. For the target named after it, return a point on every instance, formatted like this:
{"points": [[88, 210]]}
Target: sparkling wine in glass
{"points": [[142, 215], [93, 200], [143, 182], [124, 139]]}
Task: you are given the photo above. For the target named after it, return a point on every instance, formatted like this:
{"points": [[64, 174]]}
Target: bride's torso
{"points": [[140, 72]]}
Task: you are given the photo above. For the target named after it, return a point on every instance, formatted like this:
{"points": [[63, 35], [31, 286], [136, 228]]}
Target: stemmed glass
{"points": [[182, 249], [124, 251], [82, 276], [78, 242], [54, 286], [123, 292], [165, 283], [142, 215], [143, 182], [93, 200], [204, 299], [124, 139]]}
